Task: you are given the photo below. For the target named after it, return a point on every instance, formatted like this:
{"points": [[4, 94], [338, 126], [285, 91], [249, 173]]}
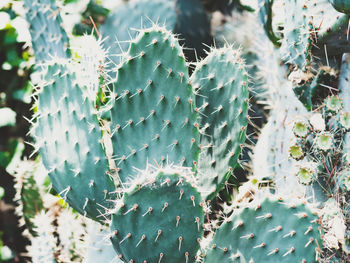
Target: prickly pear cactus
{"points": [[341, 5], [136, 137], [296, 45], [49, 38], [220, 83], [160, 219], [163, 126], [74, 157], [268, 231]]}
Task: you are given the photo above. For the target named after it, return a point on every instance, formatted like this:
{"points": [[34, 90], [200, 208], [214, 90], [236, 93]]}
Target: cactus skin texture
{"points": [[160, 220], [341, 5], [67, 135], [220, 83], [153, 116], [296, 45], [48, 37], [270, 231]]}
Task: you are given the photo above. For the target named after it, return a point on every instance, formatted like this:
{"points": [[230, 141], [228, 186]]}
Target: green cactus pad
{"points": [[220, 83], [153, 118], [344, 120], [120, 25], [271, 151], [341, 6], [48, 37], [68, 137], [160, 220], [296, 45], [271, 231], [343, 179]]}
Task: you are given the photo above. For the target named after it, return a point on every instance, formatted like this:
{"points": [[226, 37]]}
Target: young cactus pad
{"points": [[68, 137], [270, 231], [153, 116], [160, 220], [220, 83]]}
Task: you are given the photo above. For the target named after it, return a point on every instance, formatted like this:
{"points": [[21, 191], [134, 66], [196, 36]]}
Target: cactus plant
{"points": [[163, 127], [341, 5], [220, 83], [159, 219], [269, 230], [109, 159]]}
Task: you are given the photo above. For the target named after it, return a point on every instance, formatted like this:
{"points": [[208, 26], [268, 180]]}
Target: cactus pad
{"points": [[160, 220], [271, 231], [220, 83], [296, 45], [48, 37], [341, 5], [153, 117], [68, 137]]}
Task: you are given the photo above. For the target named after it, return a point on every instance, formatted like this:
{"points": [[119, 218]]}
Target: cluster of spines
{"points": [[297, 42]]}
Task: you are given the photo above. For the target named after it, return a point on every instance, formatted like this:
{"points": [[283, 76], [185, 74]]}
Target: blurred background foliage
{"points": [[15, 103], [16, 107]]}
